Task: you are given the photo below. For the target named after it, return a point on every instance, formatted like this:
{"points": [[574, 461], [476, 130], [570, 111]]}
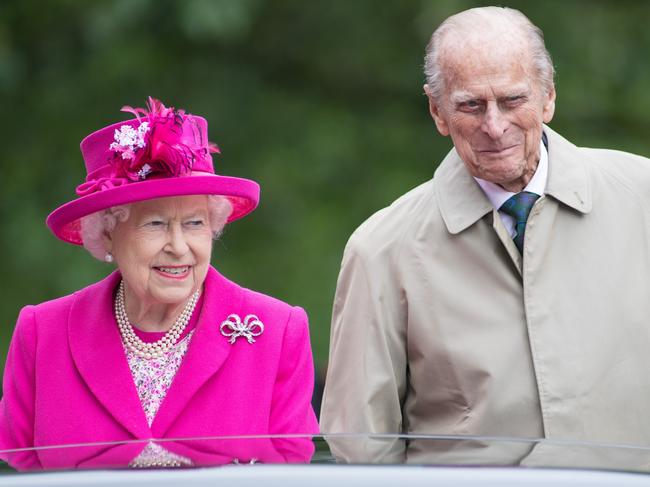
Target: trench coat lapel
{"points": [[568, 181], [98, 354], [461, 200], [207, 352]]}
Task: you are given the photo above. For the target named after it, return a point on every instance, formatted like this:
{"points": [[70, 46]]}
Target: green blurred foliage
{"points": [[320, 102]]}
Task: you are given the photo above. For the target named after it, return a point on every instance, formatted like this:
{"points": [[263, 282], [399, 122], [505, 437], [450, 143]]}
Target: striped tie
{"points": [[518, 206]]}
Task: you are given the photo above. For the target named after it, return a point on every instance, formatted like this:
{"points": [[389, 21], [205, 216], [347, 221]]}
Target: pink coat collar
{"points": [[99, 356]]}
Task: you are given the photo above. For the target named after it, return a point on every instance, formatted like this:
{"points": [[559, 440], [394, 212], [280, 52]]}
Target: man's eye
{"points": [[470, 106], [514, 100]]}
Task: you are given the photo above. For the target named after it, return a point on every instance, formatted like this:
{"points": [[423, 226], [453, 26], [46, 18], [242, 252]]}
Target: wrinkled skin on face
{"points": [[493, 107], [163, 252]]}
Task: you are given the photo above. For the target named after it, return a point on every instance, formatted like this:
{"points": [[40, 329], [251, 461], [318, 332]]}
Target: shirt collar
{"points": [[462, 202], [497, 195]]}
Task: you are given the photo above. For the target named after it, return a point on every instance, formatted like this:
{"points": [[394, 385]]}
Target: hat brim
{"points": [[243, 194]]}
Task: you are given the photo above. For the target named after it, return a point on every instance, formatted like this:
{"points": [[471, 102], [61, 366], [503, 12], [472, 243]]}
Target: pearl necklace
{"points": [[159, 347]]}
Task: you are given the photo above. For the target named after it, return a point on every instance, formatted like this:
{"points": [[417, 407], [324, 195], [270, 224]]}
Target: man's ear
{"points": [[549, 106], [434, 110]]}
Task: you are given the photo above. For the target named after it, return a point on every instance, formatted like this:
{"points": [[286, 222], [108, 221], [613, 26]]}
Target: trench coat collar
{"points": [[462, 202], [99, 356], [568, 180]]}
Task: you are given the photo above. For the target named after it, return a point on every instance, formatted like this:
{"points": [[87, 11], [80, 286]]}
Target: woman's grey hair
{"points": [[469, 21], [96, 225]]}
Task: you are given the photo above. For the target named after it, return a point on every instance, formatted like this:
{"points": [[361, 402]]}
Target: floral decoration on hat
{"points": [[165, 143]]}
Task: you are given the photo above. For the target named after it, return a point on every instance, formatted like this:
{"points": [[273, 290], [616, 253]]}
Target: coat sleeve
{"points": [[18, 400], [367, 372], [291, 410]]}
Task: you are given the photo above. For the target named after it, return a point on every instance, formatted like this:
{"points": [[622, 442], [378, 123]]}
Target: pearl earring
{"points": [[108, 257]]}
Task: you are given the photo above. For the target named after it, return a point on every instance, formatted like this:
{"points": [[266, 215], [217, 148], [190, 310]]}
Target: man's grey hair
{"points": [[96, 225], [471, 20]]}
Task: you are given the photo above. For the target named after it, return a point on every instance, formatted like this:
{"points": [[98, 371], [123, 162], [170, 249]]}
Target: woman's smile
{"points": [[173, 272]]}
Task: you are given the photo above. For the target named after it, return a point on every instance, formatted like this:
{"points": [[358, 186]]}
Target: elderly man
{"points": [[510, 294]]}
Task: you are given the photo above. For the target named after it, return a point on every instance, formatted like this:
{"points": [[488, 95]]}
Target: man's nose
{"points": [[495, 122], [177, 242]]}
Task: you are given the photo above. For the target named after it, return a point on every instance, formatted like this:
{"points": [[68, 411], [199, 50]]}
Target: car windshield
{"points": [[430, 450]]}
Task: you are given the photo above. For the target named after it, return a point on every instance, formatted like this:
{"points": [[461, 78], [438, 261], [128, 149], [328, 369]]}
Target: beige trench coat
{"points": [[439, 326]]}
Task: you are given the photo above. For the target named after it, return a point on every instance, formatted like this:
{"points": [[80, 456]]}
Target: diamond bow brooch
{"points": [[234, 328]]}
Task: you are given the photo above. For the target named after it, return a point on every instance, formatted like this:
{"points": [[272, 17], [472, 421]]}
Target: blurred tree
{"points": [[320, 102]]}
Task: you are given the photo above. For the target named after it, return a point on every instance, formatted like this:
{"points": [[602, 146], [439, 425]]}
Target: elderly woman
{"points": [[165, 346]]}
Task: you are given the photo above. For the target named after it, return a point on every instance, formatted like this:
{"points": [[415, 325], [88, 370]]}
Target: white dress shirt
{"points": [[497, 195]]}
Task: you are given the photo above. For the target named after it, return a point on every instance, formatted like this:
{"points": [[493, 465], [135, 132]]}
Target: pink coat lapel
{"points": [[207, 352], [99, 356]]}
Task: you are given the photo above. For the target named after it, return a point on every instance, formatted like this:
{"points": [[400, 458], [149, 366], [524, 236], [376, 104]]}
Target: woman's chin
{"points": [[172, 294]]}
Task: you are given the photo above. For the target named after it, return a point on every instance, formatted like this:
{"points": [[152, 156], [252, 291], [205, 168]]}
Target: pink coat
{"points": [[67, 379]]}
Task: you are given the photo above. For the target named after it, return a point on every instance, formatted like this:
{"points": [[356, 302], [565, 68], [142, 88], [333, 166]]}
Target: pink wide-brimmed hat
{"points": [[162, 152]]}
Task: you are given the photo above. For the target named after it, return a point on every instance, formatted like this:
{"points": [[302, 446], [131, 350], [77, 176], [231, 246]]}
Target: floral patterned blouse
{"points": [[152, 378]]}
